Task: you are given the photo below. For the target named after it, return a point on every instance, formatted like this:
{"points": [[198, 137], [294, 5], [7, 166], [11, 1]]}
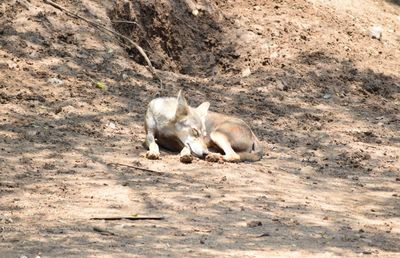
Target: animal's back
{"points": [[163, 109]]}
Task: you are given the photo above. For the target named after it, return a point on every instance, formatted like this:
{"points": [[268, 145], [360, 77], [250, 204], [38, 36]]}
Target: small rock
{"points": [[376, 32], [112, 125], [327, 96], [58, 110], [55, 81], [246, 72], [254, 223], [31, 133]]}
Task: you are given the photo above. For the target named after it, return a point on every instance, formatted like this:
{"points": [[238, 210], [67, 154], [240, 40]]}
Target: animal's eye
{"points": [[195, 132]]}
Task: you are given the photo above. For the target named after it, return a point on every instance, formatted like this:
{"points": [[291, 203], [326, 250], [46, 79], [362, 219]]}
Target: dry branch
{"points": [[105, 29], [128, 218], [138, 168]]}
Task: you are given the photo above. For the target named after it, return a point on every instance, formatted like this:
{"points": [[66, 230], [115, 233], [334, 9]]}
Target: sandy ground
{"points": [[322, 95]]}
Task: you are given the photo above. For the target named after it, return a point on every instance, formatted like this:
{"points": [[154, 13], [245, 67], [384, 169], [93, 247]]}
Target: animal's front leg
{"points": [[154, 151], [186, 155]]}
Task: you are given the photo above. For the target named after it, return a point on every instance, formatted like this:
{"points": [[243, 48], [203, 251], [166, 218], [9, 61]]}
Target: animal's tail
{"points": [[255, 154]]}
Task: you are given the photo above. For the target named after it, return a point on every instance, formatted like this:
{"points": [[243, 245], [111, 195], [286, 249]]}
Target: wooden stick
{"points": [[103, 231], [104, 28], [138, 168], [128, 218], [124, 21]]}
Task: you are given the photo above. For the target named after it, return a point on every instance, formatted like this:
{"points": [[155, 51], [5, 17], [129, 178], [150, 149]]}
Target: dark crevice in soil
{"points": [[174, 39]]}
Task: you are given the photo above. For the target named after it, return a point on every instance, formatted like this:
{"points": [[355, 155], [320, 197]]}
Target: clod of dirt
{"points": [[254, 223]]}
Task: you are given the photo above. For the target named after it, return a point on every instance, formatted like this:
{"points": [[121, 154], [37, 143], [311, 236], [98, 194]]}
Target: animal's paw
{"points": [[152, 155], [187, 158], [231, 157], [213, 157]]}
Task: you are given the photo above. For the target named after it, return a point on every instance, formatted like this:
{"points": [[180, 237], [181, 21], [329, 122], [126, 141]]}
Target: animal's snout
{"points": [[205, 153], [198, 149]]}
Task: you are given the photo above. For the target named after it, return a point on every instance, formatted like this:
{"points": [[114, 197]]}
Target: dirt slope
{"points": [[319, 91]]}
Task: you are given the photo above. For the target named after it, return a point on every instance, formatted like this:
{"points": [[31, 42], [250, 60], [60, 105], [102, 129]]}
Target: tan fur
{"points": [[234, 137], [178, 127]]}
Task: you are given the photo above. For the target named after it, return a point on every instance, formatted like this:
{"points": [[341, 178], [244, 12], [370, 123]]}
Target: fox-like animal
{"points": [[173, 124]]}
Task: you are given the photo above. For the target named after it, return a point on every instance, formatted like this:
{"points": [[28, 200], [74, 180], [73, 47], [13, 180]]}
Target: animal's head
{"points": [[190, 125]]}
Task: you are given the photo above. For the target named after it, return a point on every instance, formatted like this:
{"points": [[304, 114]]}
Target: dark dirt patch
{"points": [[174, 38]]}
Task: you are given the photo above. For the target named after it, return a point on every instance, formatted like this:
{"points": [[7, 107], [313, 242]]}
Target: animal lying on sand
{"points": [[174, 125]]}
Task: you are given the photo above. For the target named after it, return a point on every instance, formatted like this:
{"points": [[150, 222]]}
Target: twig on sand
{"points": [[124, 21], [128, 218], [103, 231], [105, 29], [136, 167]]}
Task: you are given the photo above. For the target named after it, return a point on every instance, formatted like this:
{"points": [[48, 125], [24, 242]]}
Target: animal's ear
{"points": [[202, 109], [182, 108]]}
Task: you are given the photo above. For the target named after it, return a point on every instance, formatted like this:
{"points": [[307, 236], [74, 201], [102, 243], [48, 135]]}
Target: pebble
{"points": [[112, 125], [55, 81], [246, 72], [327, 96], [376, 32]]}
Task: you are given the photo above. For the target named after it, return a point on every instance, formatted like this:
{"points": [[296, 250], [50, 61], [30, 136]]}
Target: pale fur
{"points": [[178, 127]]}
